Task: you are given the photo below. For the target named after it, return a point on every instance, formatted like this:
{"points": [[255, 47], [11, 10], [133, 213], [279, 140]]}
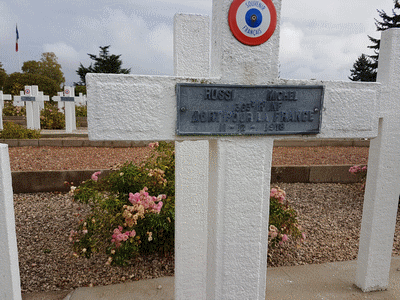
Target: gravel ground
{"points": [[46, 260], [330, 215], [84, 158]]}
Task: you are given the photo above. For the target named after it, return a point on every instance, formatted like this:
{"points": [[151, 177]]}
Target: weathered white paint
{"points": [[2, 98], [191, 45], [9, 268], [191, 58], [240, 172], [144, 108], [144, 118], [238, 63], [383, 188]]}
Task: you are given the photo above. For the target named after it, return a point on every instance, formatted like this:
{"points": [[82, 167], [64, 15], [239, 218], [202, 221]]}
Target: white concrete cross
{"points": [[17, 101], [67, 99], [80, 100], [222, 183], [2, 98], [34, 104], [9, 268]]}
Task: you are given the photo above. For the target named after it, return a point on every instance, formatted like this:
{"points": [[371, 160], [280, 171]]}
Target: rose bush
{"points": [[125, 220], [133, 210], [283, 222]]}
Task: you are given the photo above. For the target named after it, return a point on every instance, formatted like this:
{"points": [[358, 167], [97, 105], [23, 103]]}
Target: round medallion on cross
{"points": [[252, 22]]}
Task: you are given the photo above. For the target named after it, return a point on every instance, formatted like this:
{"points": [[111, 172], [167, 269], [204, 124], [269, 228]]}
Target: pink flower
{"points": [[94, 176], [284, 238], [154, 145], [158, 207], [274, 191]]}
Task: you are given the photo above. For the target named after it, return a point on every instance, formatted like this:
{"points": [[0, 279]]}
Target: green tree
{"points": [[104, 63], [16, 82], [47, 66], [363, 69], [3, 76], [31, 67]]}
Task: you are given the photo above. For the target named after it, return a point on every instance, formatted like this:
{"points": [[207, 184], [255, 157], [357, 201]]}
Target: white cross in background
{"points": [[34, 104], [2, 98], [67, 100]]}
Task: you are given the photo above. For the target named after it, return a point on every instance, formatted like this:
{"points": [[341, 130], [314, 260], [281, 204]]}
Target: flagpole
{"points": [[16, 47]]}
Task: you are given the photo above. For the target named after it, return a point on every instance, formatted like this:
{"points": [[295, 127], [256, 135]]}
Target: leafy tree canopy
{"points": [[47, 66], [16, 82], [363, 70], [104, 63]]}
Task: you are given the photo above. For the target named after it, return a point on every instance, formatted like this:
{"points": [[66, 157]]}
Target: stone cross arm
{"points": [[135, 107]]}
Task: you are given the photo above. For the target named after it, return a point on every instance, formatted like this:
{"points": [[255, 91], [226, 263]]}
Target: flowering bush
{"points": [[360, 172], [125, 224], [51, 118], [126, 220], [81, 110], [10, 110], [282, 220]]}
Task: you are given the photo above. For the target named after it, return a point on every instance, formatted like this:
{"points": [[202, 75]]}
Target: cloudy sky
{"points": [[320, 39]]}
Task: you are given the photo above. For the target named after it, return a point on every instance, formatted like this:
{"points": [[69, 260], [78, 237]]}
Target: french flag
{"points": [[16, 42]]}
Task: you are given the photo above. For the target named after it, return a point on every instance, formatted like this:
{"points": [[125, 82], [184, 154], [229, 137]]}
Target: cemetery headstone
{"points": [[34, 103], [17, 100], [9, 268], [68, 100], [233, 164], [2, 98]]}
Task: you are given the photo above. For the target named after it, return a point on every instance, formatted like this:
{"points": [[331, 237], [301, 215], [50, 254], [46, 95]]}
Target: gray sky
{"points": [[320, 39]]}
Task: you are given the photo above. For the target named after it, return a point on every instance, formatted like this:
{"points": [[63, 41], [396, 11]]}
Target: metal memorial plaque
{"points": [[67, 99], [28, 98], [214, 109]]}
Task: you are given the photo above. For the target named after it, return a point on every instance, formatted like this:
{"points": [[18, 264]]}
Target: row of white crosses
{"points": [[33, 99], [223, 182]]}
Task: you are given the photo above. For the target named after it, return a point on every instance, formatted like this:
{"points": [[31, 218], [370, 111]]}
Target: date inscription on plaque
{"points": [[214, 109]]}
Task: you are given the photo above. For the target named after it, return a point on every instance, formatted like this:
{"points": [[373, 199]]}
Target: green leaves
{"points": [[104, 63], [109, 197], [15, 131]]}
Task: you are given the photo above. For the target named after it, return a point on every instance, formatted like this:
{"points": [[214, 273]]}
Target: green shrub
{"points": [[125, 220], [81, 111], [282, 220], [11, 110], [16, 82], [15, 131], [51, 118]]}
